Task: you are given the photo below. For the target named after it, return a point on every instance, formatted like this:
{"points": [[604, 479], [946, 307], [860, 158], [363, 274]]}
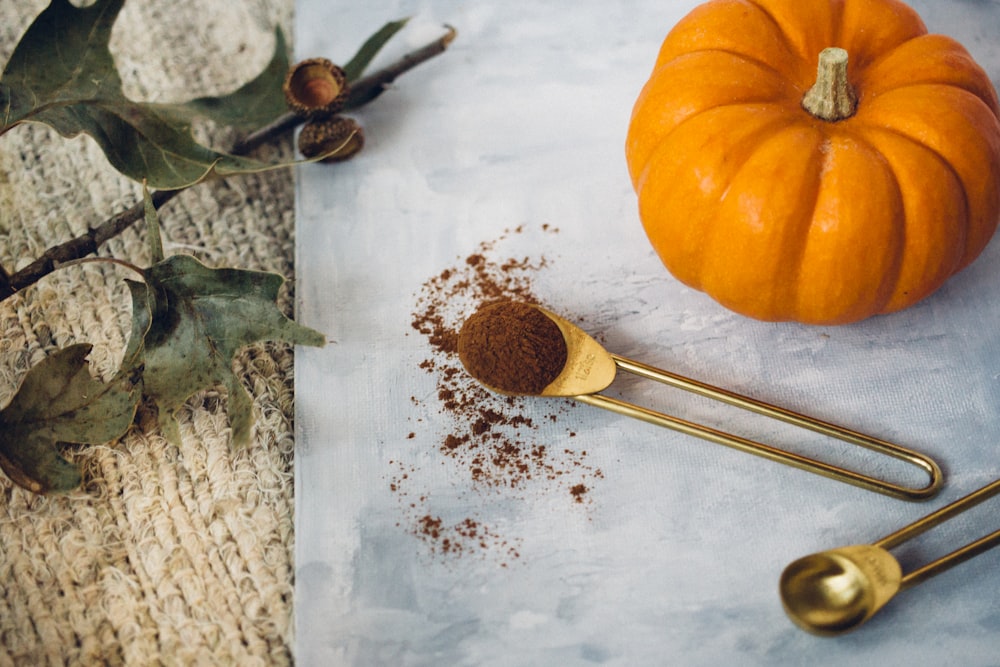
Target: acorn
{"points": [[339, 137], [315, 87]]}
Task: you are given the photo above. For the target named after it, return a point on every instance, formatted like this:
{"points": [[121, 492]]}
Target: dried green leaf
{"points": [[142, 320], [357, 65], [201, 317], [59, 402], [62, 74]]}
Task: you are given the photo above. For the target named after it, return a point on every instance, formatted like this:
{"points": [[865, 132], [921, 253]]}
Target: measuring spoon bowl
{"points": [[832, 592], [514, 348]]}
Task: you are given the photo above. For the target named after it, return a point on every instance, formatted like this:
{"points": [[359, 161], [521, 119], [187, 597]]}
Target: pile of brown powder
{"points": [[490, 440], [513, 347]]}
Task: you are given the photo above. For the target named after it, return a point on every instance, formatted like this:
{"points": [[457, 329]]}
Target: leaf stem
{"points": [[105, 260], [363, 91]]}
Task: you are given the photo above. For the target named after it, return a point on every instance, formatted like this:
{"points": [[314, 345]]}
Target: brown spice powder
{"points": [[490, 440], [459, 538], [512, 347]]}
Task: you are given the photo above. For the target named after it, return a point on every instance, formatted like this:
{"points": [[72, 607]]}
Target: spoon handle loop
{"points": [[923, 462]]}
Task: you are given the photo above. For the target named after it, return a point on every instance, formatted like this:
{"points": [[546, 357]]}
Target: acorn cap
{"points": [[340, 137], [315, 87]]}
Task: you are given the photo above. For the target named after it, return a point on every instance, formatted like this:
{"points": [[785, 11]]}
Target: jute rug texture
{"points": [[174, 555]]}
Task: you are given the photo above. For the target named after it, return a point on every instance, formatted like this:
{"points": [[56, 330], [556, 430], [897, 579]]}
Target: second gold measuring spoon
{"points": [[832, 592], [517, 348]]}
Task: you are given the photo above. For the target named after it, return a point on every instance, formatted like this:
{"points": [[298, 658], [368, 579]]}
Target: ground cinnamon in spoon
{"points": [[512, 347]]}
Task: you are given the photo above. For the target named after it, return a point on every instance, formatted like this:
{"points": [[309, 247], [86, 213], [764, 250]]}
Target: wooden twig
{"points": [[366, 89], [363, 91]]}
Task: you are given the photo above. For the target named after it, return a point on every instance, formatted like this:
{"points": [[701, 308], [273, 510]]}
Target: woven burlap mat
{"points": [[167, 554]]}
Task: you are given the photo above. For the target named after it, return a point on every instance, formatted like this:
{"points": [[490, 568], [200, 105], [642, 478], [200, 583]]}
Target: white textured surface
{"points": [[675, 558]]}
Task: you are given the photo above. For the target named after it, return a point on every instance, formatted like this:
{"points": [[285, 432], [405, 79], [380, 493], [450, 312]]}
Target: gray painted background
{"points": [[675, 558]]}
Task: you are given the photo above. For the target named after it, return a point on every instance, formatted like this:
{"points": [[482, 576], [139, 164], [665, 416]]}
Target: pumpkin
{"points": [[818, 161]]}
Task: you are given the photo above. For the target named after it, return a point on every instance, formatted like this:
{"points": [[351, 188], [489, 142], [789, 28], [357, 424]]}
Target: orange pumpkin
{"points": [[859, 198]]}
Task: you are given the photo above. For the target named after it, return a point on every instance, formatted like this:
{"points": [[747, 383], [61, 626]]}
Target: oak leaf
{"points": [[59, 401], [62, 74], [198, 319]]}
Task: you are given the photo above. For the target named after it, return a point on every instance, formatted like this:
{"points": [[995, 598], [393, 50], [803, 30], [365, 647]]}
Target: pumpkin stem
{"points": [[831, 98]]}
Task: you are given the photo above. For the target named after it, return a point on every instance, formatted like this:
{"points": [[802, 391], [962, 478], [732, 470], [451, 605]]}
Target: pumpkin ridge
{"points": [[838, 247], [678, 61], [760, 35], [755, 137], [870, 135], [792, 48], [937, 155], [795, 281], [972, 248], [971, 94], [889, 282], [789, 45], [808, 58], [659, 110], [745, 147], [773, 306], [796, 85], [947, 54], [861, 72], [862, 79], [866, 45]]}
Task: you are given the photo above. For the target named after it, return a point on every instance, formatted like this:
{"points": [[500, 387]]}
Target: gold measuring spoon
{"points": [[832, 592], [513, 348]]}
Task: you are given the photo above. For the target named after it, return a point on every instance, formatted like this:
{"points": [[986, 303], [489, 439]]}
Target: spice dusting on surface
{"points": [[495, 448], [459, 538]]}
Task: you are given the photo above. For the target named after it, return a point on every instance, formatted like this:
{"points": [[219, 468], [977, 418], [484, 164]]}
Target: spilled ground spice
{"points": [[489, 441], [460, 538]]}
